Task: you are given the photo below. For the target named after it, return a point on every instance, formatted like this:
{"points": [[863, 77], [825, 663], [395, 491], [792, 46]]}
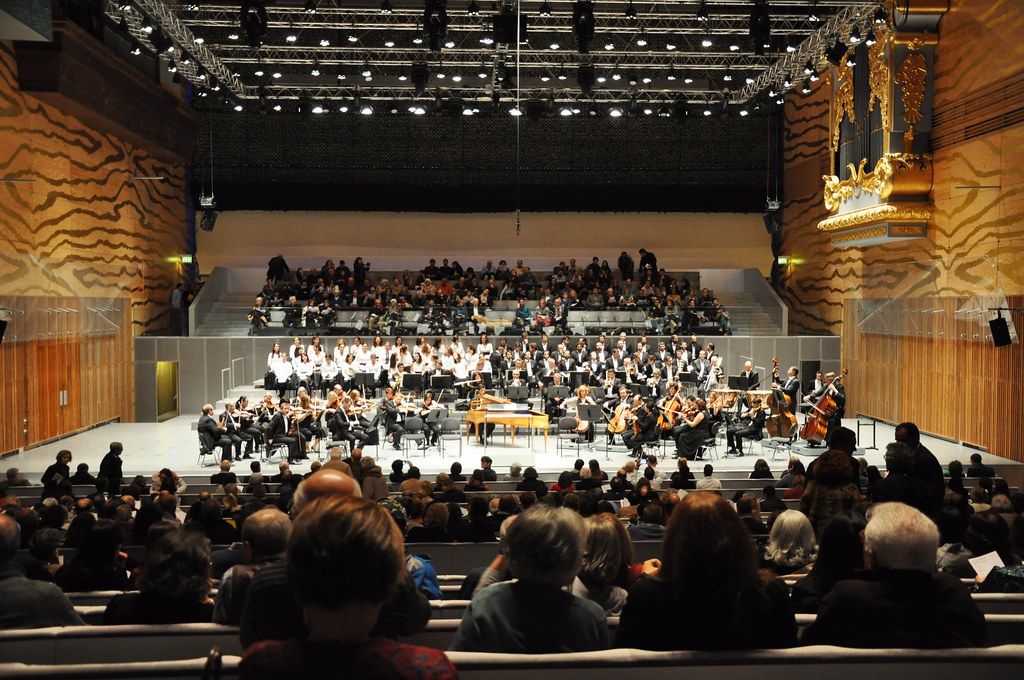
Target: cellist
{"points": [[838, 394]]}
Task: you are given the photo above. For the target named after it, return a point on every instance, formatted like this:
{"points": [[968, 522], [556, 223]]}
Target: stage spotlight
{"points": [[760, 26], [253, 21], [870, 39], [385, 8], [585, 79], [209, 220], [771, 221], [583, 24], [836, 52], [435, 19], [311, 6], [855, 35], [880, 16], [702, 12], [851, 59], [473, 9], [806, 87], [630, 10], [545, 9]]}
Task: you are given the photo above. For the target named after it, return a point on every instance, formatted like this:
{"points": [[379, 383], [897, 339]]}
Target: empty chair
{"points": [[413, 432], [450, 431], [567, 432]]}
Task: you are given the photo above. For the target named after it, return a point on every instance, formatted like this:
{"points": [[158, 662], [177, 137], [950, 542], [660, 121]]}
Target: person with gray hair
{"points": [[515, 473], [899, 600], [901, 485], [534, 614], [264, 538], [27, 603]]}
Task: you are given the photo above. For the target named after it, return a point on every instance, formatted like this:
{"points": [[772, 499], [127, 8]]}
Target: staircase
{"points": [[227, 317]]}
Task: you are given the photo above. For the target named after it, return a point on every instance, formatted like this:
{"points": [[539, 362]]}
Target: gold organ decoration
{"points": [[878, 77], [843, 101], [911, 77], [885, 196]]}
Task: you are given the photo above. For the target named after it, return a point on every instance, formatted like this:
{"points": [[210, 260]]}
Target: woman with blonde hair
{"points": [[791, 544]]}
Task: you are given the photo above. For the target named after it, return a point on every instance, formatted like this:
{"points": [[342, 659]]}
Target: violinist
{"points": [[645, 426], [750, 426], [346, 424], [213, 434], [694, 430], [394, 416], [283, 431], [307, 416], [838, 392], [431, 413], [236, 432]]}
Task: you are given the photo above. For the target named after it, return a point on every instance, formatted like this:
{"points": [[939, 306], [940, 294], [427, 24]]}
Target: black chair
{"points": [[205, 450]]}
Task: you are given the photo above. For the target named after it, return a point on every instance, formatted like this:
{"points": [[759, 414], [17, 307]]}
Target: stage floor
{"points": [[151, 446]]}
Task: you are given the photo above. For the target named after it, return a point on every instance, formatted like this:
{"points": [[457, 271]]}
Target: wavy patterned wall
{"points": [[83, 251], [75, 222], [975, 242]]}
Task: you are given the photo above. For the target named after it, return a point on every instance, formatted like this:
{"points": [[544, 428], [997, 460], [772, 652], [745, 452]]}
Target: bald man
{"points": [[270, 611], [213, 435]]}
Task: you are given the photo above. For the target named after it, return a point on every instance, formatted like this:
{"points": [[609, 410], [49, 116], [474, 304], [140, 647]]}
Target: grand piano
{"points": [[499, 411]]}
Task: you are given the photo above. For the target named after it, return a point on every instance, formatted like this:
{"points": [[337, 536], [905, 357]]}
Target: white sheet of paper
{"points": [[983, 564]]}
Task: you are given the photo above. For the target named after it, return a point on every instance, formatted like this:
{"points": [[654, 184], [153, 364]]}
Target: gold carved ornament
{"points": [[911, 77], [878, 182], [842, 101], [875, 214], [878, 77]]}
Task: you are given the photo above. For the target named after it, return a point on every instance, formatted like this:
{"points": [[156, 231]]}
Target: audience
{"points": [[840, 553], [791, 544], [708, 567], [264, 538], [607, 556], [533, 613], [99, 563], [899, 600], [174, 586], [345, 561], [28, 603]]}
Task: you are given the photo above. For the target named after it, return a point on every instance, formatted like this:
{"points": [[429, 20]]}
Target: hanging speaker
{"points": [[3, 329], [1000, 332]]}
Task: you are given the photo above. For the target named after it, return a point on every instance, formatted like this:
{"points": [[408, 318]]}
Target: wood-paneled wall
{"points": [[957, 385], [86, 260]]}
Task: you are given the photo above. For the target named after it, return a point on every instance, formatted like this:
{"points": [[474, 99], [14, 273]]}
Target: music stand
{"points": [[412, 382], [620, 376], [578, 378], [365, 380], [442, 382], [518, 394], [738, 382]]}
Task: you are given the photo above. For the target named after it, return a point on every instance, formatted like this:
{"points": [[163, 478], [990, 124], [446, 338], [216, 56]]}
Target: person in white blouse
{"points": [[484, 347], [304, 371], [282, 369], [273, 356], [340, 351], [295, 348], [328, 375]]}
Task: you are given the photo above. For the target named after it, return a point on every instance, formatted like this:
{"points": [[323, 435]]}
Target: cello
{"points": [[781, 419], [816, 426], [670, 410]]}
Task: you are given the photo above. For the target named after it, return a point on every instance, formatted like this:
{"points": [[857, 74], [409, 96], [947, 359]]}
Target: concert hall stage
{"points": [[151, 446]]}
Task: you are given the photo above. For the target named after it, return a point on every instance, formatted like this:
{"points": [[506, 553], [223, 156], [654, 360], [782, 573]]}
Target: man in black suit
{"points": [[278, 432], [394, 417], [899, 601], [790, 386], [926, 466], [979, 469], [750, 427], [213, 435], [111, 468], [237, 433], [648, 422]]}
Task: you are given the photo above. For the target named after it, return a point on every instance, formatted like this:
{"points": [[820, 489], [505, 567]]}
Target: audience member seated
{"points": [[271, 612], [43, 559], [708, 567], [532, 483], [979, 469], [683, 478], [533, 614], [607, 557], [99, 563], [983, 533], [434, 528], [833, 488], [28, 603], [791, 544], [901, 485], [794, 467], [264, 538], [899, 600], [651, 526], [345, 561], [174, 586], [82, 475]]}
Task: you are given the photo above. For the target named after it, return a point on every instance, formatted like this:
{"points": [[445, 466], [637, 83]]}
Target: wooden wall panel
{"points": [[86, 257], [958, 385]]}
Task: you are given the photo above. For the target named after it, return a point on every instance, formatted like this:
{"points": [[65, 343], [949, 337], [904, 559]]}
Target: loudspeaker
{"points": [[1000, 332], [3, 329], [771, 222]]}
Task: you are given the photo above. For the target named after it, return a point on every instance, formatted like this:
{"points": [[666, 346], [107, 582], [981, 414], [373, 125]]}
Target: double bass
{"points": [[781, 419], [816, 426]]}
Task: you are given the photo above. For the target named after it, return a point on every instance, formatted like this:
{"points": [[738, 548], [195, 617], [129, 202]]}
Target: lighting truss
{"points": [[857, 14]]}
